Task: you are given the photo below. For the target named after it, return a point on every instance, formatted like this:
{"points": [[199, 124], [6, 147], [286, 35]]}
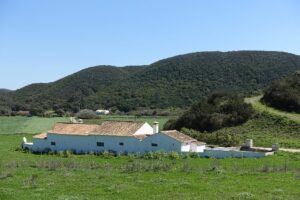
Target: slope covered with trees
{"points": [[4, 91], [284, 94], [174, 82]]}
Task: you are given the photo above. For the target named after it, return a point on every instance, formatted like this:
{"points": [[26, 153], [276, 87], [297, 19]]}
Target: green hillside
{"points": [[174, 82]]}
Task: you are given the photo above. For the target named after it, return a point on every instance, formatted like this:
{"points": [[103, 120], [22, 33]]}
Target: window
{"points": [[53, 143], [154, 144], [121, 143], [100, 144]]}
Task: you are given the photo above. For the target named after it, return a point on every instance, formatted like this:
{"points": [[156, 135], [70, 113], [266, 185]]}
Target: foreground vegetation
{"points": [[31, 176], [155, 176]]}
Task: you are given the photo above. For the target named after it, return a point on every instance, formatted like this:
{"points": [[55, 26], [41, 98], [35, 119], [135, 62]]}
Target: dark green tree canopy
{"points": [[284, 94], [214, 112]]}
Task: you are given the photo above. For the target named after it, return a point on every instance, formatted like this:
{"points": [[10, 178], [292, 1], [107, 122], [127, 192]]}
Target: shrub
{"points": [[173, 155], [22, 113], [107, 154], [31, 181], [221, 137], [244, 196], [5, 175], [86, 114], [214, 112], [284, 94]]}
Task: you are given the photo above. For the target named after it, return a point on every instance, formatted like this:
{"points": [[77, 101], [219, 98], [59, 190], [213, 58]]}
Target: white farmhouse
{"points": [[118, 137], [102, 112]]}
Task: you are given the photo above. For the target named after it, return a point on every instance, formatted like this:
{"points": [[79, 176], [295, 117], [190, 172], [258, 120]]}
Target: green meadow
{"points": [[33, 125], [66, 176], [12, 125]]}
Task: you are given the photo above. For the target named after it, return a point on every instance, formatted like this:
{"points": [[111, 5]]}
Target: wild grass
{"points": [[64, 175], [12, 125], [256, 103], [156, 176], [267, 129]]}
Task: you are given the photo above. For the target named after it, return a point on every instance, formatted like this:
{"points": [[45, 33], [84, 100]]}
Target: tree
{"points": [[284, 94], [86, 114], [214, 112]]}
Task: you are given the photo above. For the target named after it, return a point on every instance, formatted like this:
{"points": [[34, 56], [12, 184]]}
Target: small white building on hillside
{"points": [[102, 112], [118, 137]]}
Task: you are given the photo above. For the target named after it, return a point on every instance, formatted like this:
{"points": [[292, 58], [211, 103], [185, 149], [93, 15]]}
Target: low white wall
{"points": [[200, 148], [164, 143], [233, 154]]}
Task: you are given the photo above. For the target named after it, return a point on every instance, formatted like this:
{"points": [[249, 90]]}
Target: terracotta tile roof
{"points": [[178, 136], [40, 136], [106, 128]]}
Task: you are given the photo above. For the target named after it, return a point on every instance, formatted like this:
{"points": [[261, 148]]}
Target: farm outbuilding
{"points": [[102, 112], [118, 137]]}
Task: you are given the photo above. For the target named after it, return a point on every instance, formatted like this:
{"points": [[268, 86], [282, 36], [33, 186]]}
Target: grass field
{"points": [[32, 125], [80, 177], [29, 176], [12, 125], [255, 101], [266, 129]]}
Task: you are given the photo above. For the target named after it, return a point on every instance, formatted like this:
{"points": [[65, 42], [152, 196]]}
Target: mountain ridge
{"points": [[177, 81]]}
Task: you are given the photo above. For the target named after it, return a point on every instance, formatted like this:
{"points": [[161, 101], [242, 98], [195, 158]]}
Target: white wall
{"points": [[233, 154], [89, 143], [200, 148], [163, 142], [185, 148], [194, 148], [39, 144], [145, 129]]}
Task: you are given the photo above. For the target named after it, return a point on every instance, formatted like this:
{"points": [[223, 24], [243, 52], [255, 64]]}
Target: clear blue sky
{"points": [[44, 40]]}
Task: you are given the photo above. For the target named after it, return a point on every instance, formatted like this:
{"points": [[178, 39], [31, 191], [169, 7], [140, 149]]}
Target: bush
{"points": [[221, 137], [86, 114], [173, 155], [60, 112], [284, 94], [22, 113], [214, 112]]}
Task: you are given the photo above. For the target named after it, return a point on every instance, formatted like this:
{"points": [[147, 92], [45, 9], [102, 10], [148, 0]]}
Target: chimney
{"points": [[249, 143], [155, 127], [275, 147]]}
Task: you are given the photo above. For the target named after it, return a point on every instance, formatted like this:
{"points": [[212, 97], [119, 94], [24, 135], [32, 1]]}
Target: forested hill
{"points": [[3, 91], [172, 82]]}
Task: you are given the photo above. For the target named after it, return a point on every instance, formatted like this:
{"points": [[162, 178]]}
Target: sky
{"points": [[42, 41]]}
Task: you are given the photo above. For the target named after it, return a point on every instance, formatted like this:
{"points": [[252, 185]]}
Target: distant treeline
{"points": [[170, 83]]}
